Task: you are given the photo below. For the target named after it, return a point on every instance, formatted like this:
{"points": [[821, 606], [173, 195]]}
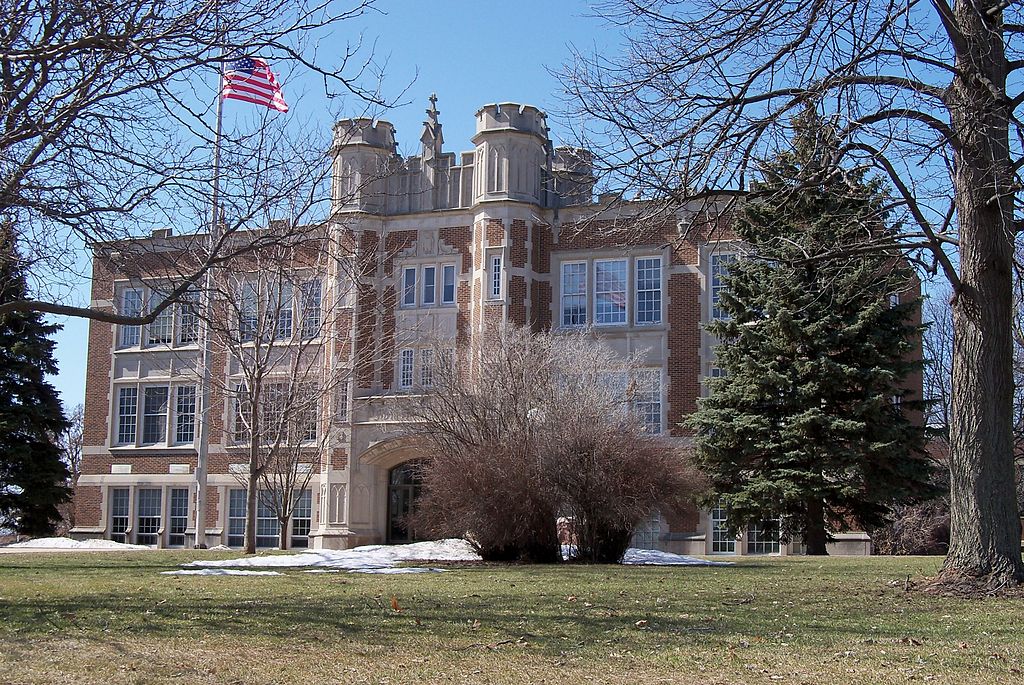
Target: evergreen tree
{"points": [[809, 421], [33, 477]]}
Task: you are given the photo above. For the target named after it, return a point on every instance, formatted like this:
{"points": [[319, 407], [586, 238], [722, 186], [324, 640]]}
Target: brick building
{"points": [[507, 232]]}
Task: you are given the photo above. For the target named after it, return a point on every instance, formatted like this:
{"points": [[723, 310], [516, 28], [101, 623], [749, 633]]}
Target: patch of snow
{"points": [[218, 572], [394, 570], [366, 557], [68, 543], [654, 557], [219, 548]]}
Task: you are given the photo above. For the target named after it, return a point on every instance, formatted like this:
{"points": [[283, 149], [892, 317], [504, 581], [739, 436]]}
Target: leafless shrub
{"points": [[541, 426]]}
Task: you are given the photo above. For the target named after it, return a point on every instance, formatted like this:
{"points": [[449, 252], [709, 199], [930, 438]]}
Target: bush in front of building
{"points": [[542, 426]]}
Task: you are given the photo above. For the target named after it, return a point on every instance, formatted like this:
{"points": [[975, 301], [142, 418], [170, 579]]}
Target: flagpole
{"points": [[203, 432]]}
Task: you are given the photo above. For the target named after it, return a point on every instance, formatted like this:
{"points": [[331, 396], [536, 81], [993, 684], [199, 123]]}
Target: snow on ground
{"points": [[373, 557], [386, 558], [653, 557], [218, 572], [68, 543]]}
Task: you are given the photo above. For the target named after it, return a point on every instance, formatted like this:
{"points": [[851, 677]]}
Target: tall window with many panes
{"points": [[147, 516], [177, 514], [609, 292], [721, 541], [719, 270], [648, 291], [302, 518], [574, 293], [119, 514]]}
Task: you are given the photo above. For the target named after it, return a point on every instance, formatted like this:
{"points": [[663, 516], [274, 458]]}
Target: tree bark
{"points": [[985, 524], [282, 534], [815, 537], [250, 511]]}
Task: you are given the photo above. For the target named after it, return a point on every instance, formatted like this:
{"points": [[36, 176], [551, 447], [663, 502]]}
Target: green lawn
{"points": [[110, 617]]}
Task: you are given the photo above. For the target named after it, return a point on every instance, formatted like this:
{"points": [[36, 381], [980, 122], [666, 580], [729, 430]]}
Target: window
{"points": [[894, 300], [154, 415], [763, 537], [119, 514], [448, 284], [236, 518], [273, 406], [127, 415], [648, 291], [405, 364], [427, 368], [721, 541], [308, 414], [409, 286], [243, 409], [281, 305], [147, 532], [162, 328], [495, 291], [342, 408], [185, 414], [719, 270], [131, 305], [610, 291], [248, 312], [574, 294], [647, 398], [302, 519], [178, 515], [312, 297], [268, 529], [188, 317], [429, 285]]}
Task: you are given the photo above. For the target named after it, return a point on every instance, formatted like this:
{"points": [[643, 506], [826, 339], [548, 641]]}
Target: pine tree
{"points": [[33, 477], [809, 421]]}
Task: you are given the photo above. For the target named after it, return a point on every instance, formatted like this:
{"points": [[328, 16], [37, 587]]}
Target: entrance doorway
{"points": [[404, 484]]}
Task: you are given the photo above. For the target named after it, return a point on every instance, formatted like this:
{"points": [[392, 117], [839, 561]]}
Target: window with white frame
{"points": [[188, 317], [307, 419], [609, 291], [236, 517], [763, 537], [574, 293], [429, 279], [127, 415], [147, 516], [248, 312], [119, 498], [154, 414], [427, 367], [165, 419], [281, 308], [720, 264], [268, 529], [409, 286], [405, 368], [302, 519], [721, 541], [184, 414], [341, 410], [448, 284], [648, 291], [647, 398], [312, 308], [177, 515], [161, 330], [131, 305], [494, 291]]}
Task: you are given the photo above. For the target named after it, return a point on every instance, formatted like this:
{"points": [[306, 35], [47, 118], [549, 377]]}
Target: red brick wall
{"points": [[683, 315], [517, 245], [517, 301], [88, 503]]}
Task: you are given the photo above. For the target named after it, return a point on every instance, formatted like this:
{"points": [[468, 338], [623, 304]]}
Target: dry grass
{"points": [[110, 618]]}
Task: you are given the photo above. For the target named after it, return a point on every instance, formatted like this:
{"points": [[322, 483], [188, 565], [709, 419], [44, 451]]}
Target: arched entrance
{"points": [[404, 483]]}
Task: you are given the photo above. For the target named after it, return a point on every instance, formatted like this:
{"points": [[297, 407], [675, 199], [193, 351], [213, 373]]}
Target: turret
{"points": [[573, 171], [511, 153], [364, 155]]}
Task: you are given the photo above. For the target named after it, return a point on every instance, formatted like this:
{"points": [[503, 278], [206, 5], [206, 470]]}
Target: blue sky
{"points": [[469, 53]]}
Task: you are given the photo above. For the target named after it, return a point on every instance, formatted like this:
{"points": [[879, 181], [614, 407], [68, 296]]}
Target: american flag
{"points": [[249, 79]]}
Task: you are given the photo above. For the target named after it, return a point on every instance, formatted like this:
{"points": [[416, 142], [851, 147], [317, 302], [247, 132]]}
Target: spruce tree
{"points": [[809, 421], [33, 477]]}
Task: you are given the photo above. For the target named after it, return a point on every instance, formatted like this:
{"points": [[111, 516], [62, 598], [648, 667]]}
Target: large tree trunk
{"points": [[282, 534], [815, 537], [985, 527]]}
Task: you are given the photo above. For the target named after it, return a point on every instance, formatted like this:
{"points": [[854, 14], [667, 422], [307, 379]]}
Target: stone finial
{"points": [[432, 138]]}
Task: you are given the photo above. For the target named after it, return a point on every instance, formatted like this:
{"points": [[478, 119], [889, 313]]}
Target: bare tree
{"points": [[924, 93], [107, 125], [277, 324], [541, 426], [70, 442]]}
